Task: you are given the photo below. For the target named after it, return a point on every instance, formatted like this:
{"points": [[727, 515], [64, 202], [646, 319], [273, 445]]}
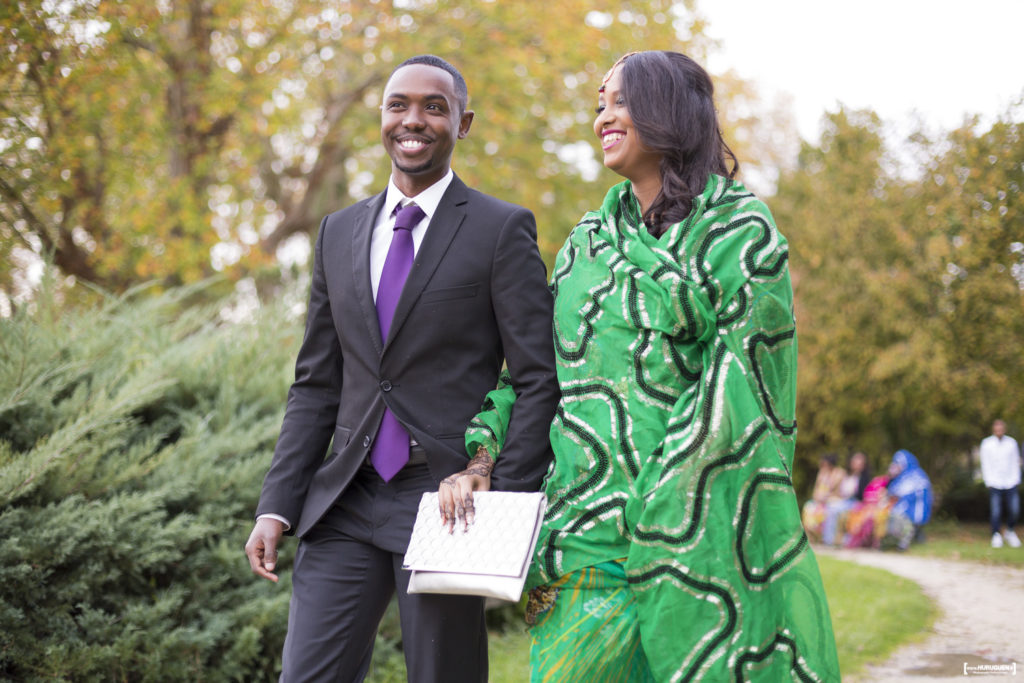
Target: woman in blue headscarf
{"points": [[912, 489]]}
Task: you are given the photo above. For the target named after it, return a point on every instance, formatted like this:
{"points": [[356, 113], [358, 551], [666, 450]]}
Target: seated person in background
{"points": [[826, 489], [865, 524], [850, 493], [912, 491]]}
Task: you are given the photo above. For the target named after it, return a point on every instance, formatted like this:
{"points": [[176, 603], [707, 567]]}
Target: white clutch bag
{"points": [[490, 558]]}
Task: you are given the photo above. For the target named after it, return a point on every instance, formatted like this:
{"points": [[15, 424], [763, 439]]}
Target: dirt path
{"points": [[980, 621]]}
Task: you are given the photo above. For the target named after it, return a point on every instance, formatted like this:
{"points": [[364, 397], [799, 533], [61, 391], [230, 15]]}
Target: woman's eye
{"points": [[600, 108]]}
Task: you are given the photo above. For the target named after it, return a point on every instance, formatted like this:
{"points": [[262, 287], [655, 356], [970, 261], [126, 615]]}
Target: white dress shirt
{"points": [[384, 228], [380, 241], [1000, 462]]}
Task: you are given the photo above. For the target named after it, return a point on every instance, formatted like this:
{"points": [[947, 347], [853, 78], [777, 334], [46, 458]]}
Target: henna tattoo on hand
{"points": [[481, 464]]}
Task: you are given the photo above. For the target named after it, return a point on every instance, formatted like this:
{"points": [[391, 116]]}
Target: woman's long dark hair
{"points": [[671, 101]]}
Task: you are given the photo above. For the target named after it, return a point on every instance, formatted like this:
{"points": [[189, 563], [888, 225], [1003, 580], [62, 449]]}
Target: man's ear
{"points": [[465, 123]]}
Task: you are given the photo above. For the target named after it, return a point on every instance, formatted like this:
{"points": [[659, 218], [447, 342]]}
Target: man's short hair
{"points": [[461, 91]]}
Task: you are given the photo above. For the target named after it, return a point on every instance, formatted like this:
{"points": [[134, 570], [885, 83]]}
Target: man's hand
{"points": [[455, 497], [261, 548]]}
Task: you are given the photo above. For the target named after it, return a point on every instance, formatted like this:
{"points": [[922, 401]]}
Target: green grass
{"points": [[968, 541], [509, 654], [873, 612]]}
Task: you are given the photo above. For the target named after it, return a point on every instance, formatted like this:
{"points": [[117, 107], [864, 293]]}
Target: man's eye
{"points": [[394, 105]]}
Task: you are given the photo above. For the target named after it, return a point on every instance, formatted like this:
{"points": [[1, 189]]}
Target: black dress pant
{"points": [[346, 570]]}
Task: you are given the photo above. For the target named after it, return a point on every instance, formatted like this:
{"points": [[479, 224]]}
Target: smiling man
{"points": [[419, 295]]}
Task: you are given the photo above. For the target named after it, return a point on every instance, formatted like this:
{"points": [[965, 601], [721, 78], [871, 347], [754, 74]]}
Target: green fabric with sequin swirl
{"points": [[674, 437]]}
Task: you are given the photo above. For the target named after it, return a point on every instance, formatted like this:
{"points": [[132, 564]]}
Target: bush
{"points": [[966, 500], [134, 436]]}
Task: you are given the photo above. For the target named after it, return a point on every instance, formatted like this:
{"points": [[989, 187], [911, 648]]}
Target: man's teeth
{"points": [[411, 144]]}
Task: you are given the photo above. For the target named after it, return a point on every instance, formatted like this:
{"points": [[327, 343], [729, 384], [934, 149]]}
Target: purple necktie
{"points": [[391, 449]]}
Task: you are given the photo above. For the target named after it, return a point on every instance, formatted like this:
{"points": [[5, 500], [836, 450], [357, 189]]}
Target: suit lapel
{"points": [[447, 220], [362, 234]]}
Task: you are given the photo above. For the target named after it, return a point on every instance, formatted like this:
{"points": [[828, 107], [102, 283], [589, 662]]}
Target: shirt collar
{"points": [[426, 200]]}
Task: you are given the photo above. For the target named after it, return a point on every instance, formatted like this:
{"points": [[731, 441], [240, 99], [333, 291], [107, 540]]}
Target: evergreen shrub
{"points": [[134, 436]]}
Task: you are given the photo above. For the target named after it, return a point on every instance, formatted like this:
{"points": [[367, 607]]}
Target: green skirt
{"points": [[586, 628]]}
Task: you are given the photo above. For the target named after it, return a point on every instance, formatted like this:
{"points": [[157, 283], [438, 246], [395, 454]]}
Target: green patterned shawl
{"points": [[674, 437]]}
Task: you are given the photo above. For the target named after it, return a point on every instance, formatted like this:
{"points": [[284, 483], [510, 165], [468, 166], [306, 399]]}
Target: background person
{"points": [[849, 494], [826, 490], [1000, 470], [866, 522], [911, 490]]}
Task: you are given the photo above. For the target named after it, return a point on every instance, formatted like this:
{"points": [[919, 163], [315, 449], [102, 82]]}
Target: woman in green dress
{"points": [[672, 547]]}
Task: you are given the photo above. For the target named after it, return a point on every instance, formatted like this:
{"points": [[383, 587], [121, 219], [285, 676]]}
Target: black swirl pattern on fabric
{"points": [[796, 665], [759, 479], [769, 341], [698, 498], [729, 605]]}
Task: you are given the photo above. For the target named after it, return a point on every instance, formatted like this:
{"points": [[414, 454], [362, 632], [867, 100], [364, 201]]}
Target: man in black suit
{"points": [[475, 297]]}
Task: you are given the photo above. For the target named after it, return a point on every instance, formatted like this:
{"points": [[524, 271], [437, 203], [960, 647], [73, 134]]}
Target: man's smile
{"points": [[410, 144]]}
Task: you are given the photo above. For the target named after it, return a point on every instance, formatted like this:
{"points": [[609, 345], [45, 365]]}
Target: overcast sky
{"points": [[940, 58]]}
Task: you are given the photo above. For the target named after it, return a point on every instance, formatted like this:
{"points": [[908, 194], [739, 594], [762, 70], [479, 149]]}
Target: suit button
{"points": [[385, 385], [366, 442]]}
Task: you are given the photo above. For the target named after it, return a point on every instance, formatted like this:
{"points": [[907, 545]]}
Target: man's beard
{"points": [[414, 170]]}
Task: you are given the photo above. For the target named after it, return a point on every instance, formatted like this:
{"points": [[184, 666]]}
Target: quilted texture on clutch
{"points": [[499, 542]]}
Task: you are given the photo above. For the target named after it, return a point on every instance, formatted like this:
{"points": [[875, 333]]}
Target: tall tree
{"points": [[909, 288], [165, 140], [971, 202]]}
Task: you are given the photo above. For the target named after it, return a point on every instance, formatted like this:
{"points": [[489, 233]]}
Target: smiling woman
{"points": [[624, 152], [672, 547]]}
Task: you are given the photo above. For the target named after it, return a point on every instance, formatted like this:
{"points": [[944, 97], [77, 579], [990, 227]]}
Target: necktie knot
{"points": [[408, 216]]}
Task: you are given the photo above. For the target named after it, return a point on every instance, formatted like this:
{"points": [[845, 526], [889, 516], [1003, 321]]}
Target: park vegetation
{"points": [[139, 139], [908, 269], [168, 162], [133, 439]]}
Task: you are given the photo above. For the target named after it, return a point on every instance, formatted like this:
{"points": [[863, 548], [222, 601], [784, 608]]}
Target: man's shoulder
{"points": [[352, 210], [493, 203]]}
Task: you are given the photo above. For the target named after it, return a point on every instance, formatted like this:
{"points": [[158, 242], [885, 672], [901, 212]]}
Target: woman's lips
{"points": [[611, 137]]}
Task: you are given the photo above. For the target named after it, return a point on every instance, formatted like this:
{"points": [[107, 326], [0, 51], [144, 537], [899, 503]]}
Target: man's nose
{"points": [[413, 118]]}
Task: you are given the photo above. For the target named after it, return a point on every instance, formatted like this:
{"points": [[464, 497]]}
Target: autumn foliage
{"points": [[147, 145], [167, 140], [909, 281]]}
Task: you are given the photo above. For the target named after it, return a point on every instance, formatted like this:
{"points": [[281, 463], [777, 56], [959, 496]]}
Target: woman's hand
{"points": [[455, 497]]}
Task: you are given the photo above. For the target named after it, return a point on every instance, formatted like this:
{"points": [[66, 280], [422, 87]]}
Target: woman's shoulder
{"points": [[731, 197], [729, 218]]}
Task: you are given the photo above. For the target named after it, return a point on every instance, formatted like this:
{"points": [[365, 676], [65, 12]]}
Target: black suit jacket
{"points": [[476, 296]]}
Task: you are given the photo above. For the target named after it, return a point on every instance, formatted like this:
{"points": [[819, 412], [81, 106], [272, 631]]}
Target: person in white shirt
{"points": [[1000, 470], [411, 317]]}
